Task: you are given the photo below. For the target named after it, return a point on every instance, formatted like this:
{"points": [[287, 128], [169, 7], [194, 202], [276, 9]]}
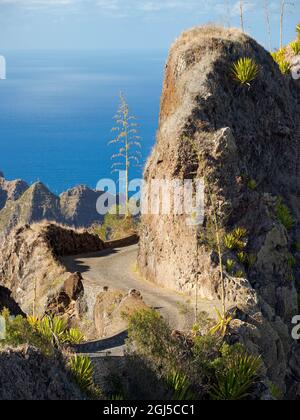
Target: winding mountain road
{"points": [[116, 269]]}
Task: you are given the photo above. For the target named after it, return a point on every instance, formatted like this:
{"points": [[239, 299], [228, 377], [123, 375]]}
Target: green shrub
{"points": [[291, 260], [245, 70], [19, 332], [279, 58], [53, 329], [298, 30], [242, 257], [73, 336], [284, 66], [205, 352], [240, 274], [275, 391], [252, 184], [179, 387], [284, 215], [152, 336], [236, 240], [230, 265], [238, 378], [295, 47], [117, 397], [82, 371], [223, 323], [251, 260]]}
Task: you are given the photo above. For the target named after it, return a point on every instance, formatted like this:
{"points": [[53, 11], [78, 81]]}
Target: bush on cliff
{"points": [[245, 71], [50, 336], [200, 365]]}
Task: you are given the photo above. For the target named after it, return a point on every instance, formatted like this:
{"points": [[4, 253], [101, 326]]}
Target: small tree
{"points": [[283, 5], [242, 15], [128, 143], [268, 22]]}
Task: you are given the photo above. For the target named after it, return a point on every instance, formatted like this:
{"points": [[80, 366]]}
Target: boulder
{"points": [[27, 374], [73, 286], [113, 309]]}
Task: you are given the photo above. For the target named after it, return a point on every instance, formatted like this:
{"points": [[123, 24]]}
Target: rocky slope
{"points": [[29, 262], [245, 143], [26, 374], [21, 204]]}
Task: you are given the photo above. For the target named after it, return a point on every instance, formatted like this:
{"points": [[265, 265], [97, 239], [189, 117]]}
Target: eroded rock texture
{"points": [[30, 266], [245, 142], [26, 374]]}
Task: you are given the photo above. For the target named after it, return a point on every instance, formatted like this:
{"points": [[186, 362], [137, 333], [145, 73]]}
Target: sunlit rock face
{"points": [[244, 141]]}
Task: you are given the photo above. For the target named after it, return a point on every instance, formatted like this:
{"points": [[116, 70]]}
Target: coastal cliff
{"points": [[244, 142]]}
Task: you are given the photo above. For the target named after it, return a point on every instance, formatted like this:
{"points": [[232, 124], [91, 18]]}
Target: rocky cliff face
{"points": [[26, 374], [245, 143], [29, 262]]}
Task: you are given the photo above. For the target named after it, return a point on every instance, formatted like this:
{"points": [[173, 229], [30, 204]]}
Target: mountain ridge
{"points": [[21, 203]]}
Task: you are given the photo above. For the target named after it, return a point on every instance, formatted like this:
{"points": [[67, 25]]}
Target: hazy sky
{"points": [[121, 24]]}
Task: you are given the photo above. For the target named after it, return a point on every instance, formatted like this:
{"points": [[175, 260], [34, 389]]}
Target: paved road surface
{"points": [[115, 269]]}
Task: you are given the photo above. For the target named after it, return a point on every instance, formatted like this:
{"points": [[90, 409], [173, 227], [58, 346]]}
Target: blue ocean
{"points": [[57, 108]]}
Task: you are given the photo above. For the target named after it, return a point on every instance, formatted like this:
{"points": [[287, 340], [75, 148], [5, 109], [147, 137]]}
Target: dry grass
{"points": [[203, 33]]}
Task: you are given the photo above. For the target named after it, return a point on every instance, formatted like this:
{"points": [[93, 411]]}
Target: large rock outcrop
{"points": [[113, 309], [245, 143], [30, 266], [26, 374]]}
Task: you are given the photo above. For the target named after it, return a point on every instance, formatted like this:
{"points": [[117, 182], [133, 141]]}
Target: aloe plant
{"points": [[245, 70], [179, 386], [284, 215], [236, 382], [295, 47], [82, 370], [223, 323], [73, 336], [279, 58]]}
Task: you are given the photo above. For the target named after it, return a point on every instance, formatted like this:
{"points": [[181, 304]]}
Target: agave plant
{"points": [[245, 70], [73, 336], [236, 239], [53, 329], [279, 58], [82, 370], [236, 382], [223, 323], [284, 215], [179, 385], [230, 264], [295, 47]]}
